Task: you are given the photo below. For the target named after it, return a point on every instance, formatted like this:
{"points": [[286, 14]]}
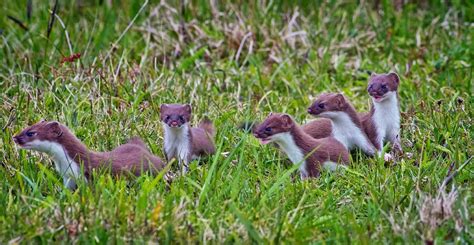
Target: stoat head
{"points": [[327, 103], [39, 136], [274, 125], [175, 115], [382, 86]]}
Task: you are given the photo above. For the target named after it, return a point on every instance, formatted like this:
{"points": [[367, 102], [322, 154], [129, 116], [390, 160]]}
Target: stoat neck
{"points": [[352, 113], [300, 137], [390, 104], [76, 150], [172, 134]]}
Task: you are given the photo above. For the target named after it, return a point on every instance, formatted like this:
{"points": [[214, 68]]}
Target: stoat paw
{"points": [[169, 177], [397, 148], [388, 157], [184, 170], [371, 152]]}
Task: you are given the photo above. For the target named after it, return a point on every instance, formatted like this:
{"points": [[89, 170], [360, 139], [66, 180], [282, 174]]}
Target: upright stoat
{"points": [[182, 141], [346, 125], [300, 147], [68, 153], [382, 123]]}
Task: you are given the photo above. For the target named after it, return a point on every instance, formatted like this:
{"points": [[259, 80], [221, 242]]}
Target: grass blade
{"points": [[29, 8], [247, 224], [18, 22], [52, 17]]}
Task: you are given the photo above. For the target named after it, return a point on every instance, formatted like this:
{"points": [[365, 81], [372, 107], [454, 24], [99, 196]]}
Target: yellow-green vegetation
{"points": [[234, 62]]}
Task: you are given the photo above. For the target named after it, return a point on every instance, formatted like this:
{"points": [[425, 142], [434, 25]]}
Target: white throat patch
{"points": [[65, 165], [177, 142], [347, 132], [294, 153], [387, 117]]}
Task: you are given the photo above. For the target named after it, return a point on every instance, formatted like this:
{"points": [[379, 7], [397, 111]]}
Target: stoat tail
{"points": [[137, 141], [208, 126]]}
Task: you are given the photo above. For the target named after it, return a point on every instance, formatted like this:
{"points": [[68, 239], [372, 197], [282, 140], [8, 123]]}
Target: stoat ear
{"points": [[287, 121], [340, 101], [394, 77], [188, 108], [372, 75], [163, 106], [55, 127]]}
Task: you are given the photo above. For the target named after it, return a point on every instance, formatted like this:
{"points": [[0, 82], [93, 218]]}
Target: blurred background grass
{"points": [[236, 61]]}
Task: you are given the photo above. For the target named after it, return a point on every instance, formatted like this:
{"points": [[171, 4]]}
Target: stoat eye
{"points": [[268, 129], [30, 134], [384, 87], [181, 118], [167, 118], [321, 105]]}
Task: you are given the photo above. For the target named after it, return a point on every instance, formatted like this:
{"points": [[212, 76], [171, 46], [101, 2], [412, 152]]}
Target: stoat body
{"points": [[346, 125], [382, 123], [301, 148], [68, 153]]}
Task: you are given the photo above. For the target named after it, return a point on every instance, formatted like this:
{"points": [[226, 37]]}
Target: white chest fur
{"points": [[387, 118], [345, 130], [65, 165], [177, 143], [288, 145]]}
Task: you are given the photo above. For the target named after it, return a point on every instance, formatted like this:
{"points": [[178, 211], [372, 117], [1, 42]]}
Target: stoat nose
{"points": [[16, 139], [375, 93], [310, 110], [174, 123]]}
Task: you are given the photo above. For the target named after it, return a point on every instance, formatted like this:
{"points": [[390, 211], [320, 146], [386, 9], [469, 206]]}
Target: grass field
{"points": [[235, 62]]}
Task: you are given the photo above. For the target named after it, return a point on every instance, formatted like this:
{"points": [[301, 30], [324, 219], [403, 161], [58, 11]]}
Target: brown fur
{"points": [[202, 142], [369, 128], [129, 157], [328, 102], [208, 126], [320, 128], [317, 151], [138, 141], [380, 84]]}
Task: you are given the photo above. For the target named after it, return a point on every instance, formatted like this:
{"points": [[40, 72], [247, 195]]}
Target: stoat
{"points": [[69, 153], [300, 147], [346, 125], [182, 141], [318, 128], [382, 123]]}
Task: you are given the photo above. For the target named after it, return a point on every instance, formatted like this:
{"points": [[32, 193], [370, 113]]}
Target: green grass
{"points": [[247, 192]]}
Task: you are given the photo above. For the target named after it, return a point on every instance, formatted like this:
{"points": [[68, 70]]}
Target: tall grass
{"points": [[235, 62]]}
